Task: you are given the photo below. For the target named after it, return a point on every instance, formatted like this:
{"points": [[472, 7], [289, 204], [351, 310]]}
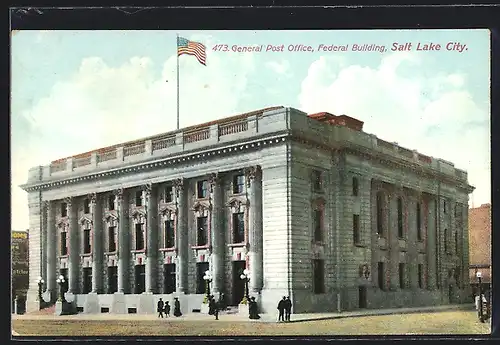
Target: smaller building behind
{"points": [[480, 244], [20, 269]]}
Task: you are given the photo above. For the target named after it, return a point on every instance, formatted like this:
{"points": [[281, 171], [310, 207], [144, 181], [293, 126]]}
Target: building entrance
{"points": [[362, 297], [238, 290]]}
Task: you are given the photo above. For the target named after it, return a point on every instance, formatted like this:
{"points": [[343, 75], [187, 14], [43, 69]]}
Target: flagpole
{"points": [[177, 44]]}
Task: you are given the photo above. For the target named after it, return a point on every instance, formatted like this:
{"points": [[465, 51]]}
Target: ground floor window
{"points": [[87, 280], [112, 279], [169, 278], [318, 276], [140, 279], [381, 275], [402, 276], [201, 268], [420, 276]]}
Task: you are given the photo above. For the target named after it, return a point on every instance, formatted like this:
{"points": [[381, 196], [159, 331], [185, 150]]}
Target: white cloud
{"points": [[445, 123], [101, 105], [279, 67]]}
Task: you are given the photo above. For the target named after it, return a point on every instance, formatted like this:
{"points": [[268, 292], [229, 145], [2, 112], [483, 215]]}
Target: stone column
{"points": [[412, 242], [97, 243], [217, 235], [51, 252], [464, 231], [151, 203], [254, 178], [123, 240], [182, 239], [431, 243], [393, 242], [43, 241], [74, 248]]}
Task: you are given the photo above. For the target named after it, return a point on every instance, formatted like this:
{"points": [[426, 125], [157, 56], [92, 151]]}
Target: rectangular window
{"points": [[380, 214], [202, 229], [201, 268], [238, 184], [138, 198], [168, 194], [64, 209], [112, 279], [140, 279], [456, 241], [401, 275], [420, 276], [381, 275], [444, 207], [169, 278], [87, 280], [318, 276], [400, 218], [318, 225], [111, 239], [111, 202], [86, 241], [316, 180], [202, 189], [86, 206], [169, 234], [355, 228], [139, 236], [419, 223], [64, 245], [445, 240], [355, 186], [238, 227]]}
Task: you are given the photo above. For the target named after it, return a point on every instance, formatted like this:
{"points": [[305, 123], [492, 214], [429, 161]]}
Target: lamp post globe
{"points": [[60, 281], [208, 279]]}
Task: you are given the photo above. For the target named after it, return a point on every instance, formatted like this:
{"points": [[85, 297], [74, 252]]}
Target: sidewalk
{"points": [[244, 318]]}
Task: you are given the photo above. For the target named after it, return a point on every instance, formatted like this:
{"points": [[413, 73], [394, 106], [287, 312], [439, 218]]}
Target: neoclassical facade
{"points": [[311, 205]]}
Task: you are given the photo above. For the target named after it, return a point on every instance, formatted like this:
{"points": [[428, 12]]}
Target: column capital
{"points": [[252, 173], [147, 188], [92, 198], [46, 204], [68, 201], [118, 193], [179, 184], [214, 179]]}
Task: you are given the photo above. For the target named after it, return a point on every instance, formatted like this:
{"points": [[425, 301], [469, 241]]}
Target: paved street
{"points": [[439, 322]]}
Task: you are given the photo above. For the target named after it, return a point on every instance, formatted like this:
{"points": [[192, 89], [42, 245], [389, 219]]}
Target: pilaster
{"points": [[432, 243], [97, 243], [151, 196], [51, 252], [217, 235], [123, 240], [182, 240], [74, 248], [255, 237]]}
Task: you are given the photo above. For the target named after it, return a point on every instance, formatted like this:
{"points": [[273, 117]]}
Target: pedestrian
{"points": [[211, 307], [281, 309], [177, 307], [159, 308], [215, 308], [252, 309], [288, 308], [222, 301], [167, 309]]}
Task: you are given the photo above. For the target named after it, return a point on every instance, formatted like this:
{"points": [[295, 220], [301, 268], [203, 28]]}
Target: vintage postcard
{"points": [[251, 182]]}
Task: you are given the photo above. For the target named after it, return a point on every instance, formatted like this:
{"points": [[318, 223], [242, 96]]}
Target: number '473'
{"points": [[220, 48]]}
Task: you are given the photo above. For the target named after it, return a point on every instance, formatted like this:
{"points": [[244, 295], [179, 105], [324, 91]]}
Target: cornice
{"points": [[177, 159]]}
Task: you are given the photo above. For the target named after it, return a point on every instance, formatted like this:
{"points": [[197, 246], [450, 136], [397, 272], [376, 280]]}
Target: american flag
{"points": [[185, 46]]}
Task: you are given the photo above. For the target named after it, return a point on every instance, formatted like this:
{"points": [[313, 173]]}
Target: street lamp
{"points": [[246, 277], [208, 279], [481, 317], [40, 283], [61, 281]]}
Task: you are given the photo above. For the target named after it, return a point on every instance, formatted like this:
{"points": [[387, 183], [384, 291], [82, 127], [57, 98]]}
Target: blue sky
{"points": [[74, 91]]}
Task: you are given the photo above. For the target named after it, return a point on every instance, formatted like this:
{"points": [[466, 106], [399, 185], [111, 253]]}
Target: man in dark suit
{"points": [[159, 308], [281, 309], [288, 308]]}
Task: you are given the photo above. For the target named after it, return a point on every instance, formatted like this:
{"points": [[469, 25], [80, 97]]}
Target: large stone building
{"points": [[480, 244], [313, 206]]}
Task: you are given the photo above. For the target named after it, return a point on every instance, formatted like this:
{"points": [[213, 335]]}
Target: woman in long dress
{"points": [[177, 307]]}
